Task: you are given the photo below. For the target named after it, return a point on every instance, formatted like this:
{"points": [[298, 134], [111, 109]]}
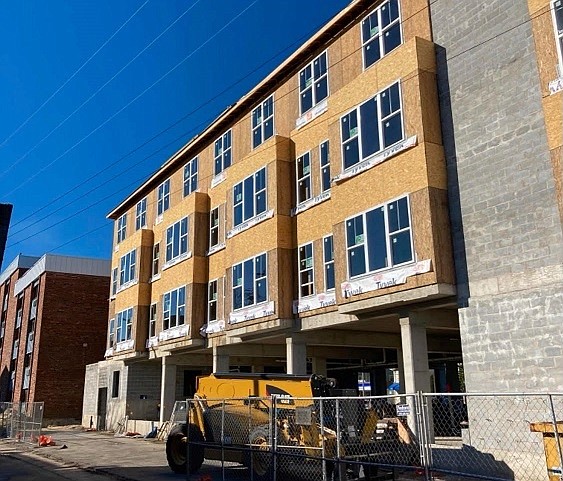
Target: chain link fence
{"points": [[432, 436], [21, 421]]}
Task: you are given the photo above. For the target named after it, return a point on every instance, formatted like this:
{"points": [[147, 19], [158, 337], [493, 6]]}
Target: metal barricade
{"points": [[21, 421]]}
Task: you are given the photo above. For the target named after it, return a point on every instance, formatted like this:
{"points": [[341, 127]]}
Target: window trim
{"points": [[192, 177], [115, 280], [213, 301], [380, 33], [124, 322], [311, 64], [181, 255], [127, 280], [306, 177], [121, 228], [163, 198], [166, 320], [155, 260], [254, 280], [558, 37], [254, 195], [263, 121], [221, 155], [323, 187], [325, 264], [301, 271], [380, 122], [153, 313], [141, 214], [368, 273]]}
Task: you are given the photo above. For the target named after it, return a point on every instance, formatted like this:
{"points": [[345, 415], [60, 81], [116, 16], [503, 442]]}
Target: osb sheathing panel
{"points": [[140, 326], [429, 221], [217, 264], [142, 237], [200, 233], [553, 112], [185, 272], [286, 107], [415, 19], [197, 309], [535, 6]]}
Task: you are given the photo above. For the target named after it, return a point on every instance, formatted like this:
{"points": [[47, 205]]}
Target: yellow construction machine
{"points": [[233, 418]]}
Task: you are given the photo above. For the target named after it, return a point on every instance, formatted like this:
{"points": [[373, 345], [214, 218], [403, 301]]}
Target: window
{"points": [[313, 83], [111, 336], [328, 260], [371, 127], [214, 227], [127, 267], [155, 259], [15, 348], [304, 178], [141, 214], [114, 281], [263, 122], [558, 22], [163, 197], [306, 281], [250, 285], [177, 239], [173, 308], [223, 152], [325, 166], [152, 320], [212, 301], [250, 197], [381, 32], [115, 384], [121, 228], [26, 377], [379, 238], [190, 177], [19, 311], [124, 325]]}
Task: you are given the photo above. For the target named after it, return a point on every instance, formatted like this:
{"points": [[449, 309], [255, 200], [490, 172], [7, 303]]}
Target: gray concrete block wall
{"points": [[508, 238]]}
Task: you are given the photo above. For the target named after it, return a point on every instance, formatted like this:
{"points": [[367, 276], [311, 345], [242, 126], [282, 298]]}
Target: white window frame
{"points": [[163, 197], [128, 268], [255, 194], [223, 152], [152, 319], [190, 176], [173, 296], [313, 80], [306, 289], [381, 32], [304, 178], [558, 34], [121, 228], [114, 281], [26, 377], [255, 280], [124, 323], [112, 335], [324, 147], [141, 214], [327, 263], [258, 121], [380, 122], [214, 227], [182, 237], [155, 264], [212, 300], [364, 243]]}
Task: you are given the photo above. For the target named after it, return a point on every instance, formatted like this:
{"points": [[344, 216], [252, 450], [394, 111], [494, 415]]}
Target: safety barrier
{"points": [[21, 421]]}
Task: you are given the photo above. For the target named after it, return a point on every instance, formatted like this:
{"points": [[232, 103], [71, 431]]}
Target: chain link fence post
{"points": [[556, 434], [274, 441]]}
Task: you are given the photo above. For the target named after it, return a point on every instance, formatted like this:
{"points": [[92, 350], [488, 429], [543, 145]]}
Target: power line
{"points": [[133, 100], [64, 84], [62, 122]]}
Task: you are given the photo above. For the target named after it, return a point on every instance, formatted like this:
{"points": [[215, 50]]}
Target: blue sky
{"points": [[85, 88]]}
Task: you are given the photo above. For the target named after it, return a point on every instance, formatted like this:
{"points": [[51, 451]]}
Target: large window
{"points": [[155, 259], [371, 127], [313, 83], [250, 284], [163, 197], [190, 177], [173, 308], [152, 320], [127, 266], [263, 122], [124, 321], [250, 197], [212, 301], [306, 277], [325, 166], [328, 261], [381, 32], [141, 214], [214, 227], [121, 228], [223, 152], [304, 177], [379, 238], [177, 239], [558, 22]]}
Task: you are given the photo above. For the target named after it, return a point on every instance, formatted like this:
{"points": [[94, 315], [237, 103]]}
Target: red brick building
{"points": [[53, 316]]}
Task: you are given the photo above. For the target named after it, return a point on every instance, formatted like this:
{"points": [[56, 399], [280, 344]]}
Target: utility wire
{"points": [[64, 84], [68, 117]]}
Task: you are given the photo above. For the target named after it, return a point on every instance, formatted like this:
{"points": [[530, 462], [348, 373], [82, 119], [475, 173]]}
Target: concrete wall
{"points": [[503, 198]]}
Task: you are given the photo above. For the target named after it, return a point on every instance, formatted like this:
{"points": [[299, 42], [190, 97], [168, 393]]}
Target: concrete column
{"points": [[319, 366], [401, 367], [220, 360], [167, 389], [296, 355]]}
